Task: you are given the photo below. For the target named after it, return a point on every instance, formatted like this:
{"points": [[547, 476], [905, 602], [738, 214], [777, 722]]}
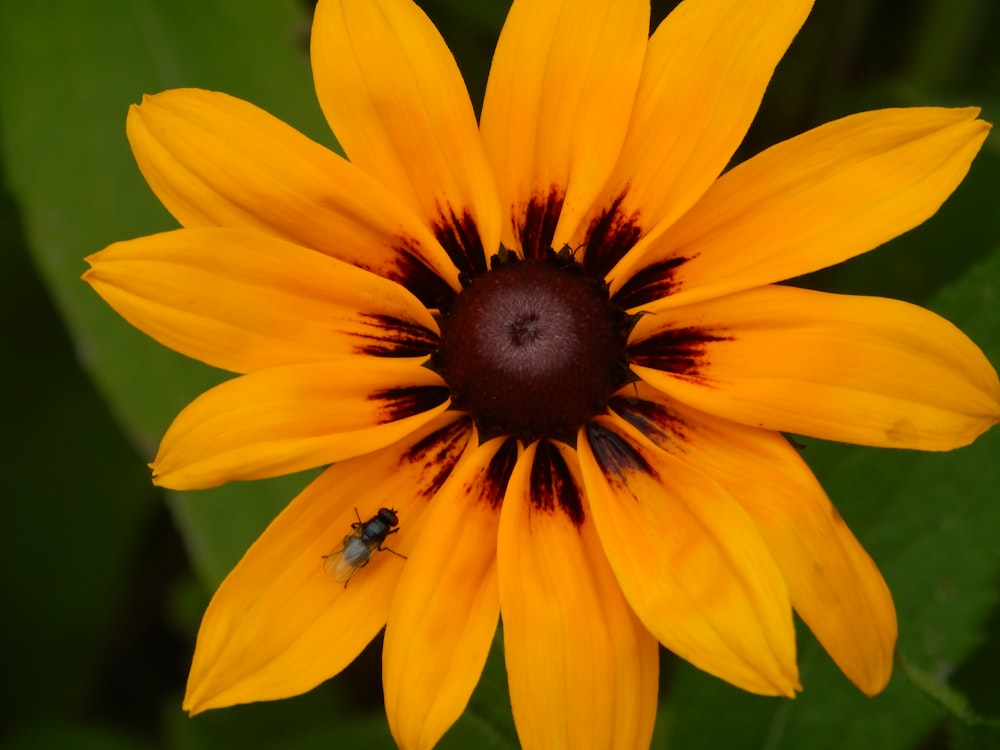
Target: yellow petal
{"points": [[279, 624], [444, 614], [214, 160], [705, 71], [243, 300], [396, 101], [856, 369], [557, 104], [833, 583], [809, 202], [582, 668], [689, 559], [286, 419]]}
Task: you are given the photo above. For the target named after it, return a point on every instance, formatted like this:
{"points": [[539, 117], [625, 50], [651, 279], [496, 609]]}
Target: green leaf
{"points": [[68, 73], [949, 30], [931, 522], [75, 736], [76, 501], [948, 698], [315, 721], [967, 730]]}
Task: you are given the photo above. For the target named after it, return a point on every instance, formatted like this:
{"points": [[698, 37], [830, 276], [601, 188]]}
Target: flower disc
{"points": [[533, 349]]}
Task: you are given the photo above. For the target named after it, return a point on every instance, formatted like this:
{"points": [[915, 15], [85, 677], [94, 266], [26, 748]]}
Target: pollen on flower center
{"points": [[533, 349]]}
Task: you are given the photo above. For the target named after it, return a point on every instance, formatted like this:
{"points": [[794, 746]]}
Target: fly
{"points": [[366, 538]]}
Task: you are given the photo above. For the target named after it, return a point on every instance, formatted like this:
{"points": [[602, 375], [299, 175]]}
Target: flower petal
{"points": [[571, 641], [703, 78], [286, 419], [689, 559], [244, 301], [833, 583], [557, 104], [279, 624], [809, 202], [395, 98], [444, 614], [856, 369], [214, 160]]}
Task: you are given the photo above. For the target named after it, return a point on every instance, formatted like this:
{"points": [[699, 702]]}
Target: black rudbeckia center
{"points": [[533, 349]]}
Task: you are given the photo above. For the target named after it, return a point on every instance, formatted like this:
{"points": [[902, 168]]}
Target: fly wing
{"points": [[341, 569], [352, 554], [332, 560]]}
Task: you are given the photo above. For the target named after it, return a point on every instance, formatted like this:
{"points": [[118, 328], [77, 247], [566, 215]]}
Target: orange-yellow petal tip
{"points": [[872, 689], [196, 702], [965, 113], [790, 686], [190, 707], [157, 477], [135, 108], [994, 415], [199, 695], [92, 261], [169, 479], [982, 128], [133, 111], [875, 676]]}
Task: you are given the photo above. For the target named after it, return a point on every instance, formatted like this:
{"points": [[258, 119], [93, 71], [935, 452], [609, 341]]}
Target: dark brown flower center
{"points": [[533, 349]]}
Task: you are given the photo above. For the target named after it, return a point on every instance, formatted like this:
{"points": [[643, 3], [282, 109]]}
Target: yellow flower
{"points": [[552, 344]]}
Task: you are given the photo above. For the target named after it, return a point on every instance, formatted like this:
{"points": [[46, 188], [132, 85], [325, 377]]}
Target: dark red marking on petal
{"points": [[537, 225], [498, 473], [609, 237], [653, 282], [615, 455], [459, 236], [414, 275], [397, 338], [439, 452], [399, 403], [661, 425], [682, 351], [552, 485]]}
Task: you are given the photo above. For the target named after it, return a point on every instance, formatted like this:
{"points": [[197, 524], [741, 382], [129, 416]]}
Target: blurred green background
{"points": [[103, 579]]}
